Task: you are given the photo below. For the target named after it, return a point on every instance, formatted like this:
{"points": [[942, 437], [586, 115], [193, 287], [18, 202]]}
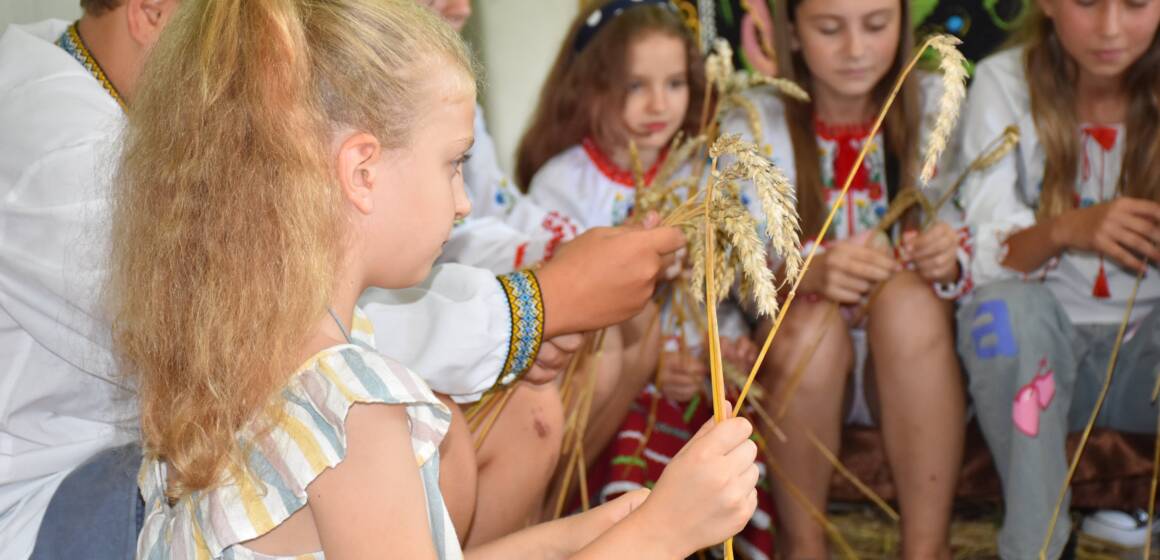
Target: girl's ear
{"points": [[1048, 7], [359, 173]]}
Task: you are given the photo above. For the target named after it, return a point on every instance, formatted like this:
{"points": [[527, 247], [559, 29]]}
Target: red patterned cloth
{"points": [[625, 466]]}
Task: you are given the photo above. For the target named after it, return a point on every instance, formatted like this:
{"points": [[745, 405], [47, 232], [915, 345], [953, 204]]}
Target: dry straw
{"points": [[1152, 493], [1087, 431]]}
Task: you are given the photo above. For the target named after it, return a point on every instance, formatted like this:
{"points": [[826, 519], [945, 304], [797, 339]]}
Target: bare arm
{"points": [[1031, 248], [372, 505], [1125, 229]]}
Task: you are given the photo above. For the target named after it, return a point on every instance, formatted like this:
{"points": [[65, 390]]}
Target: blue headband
{"points": [[601, 16]]}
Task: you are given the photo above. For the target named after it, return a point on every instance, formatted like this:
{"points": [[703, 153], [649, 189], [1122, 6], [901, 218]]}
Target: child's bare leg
{"points": [[628, 362], [457, 470], [516, 462], [921, 395], [815, 405]]}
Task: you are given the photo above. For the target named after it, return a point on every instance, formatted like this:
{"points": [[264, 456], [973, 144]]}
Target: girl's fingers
{"points": [[740, 458], [1141, 227], [869, 267], [941, 247], [1117, 253], [853, 284], [1138, 245]]}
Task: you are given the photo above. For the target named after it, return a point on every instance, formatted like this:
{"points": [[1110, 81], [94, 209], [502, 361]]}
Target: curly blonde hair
{"points": [[228, 223]]}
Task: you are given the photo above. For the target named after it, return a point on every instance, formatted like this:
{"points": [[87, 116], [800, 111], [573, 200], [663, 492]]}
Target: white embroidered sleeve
{"points": [[454, 330]]}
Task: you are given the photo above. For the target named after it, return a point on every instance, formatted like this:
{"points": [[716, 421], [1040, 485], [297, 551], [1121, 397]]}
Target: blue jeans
{"points": [[97, 511], [1017, 343]]}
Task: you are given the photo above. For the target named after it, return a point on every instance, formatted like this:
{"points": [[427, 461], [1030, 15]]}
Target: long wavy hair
{"points": [[228, 221], [900, 128], [584, 88], [1051, 75]]}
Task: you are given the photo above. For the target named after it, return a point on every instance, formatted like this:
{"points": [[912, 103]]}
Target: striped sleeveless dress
{"points": [[211, 524]]}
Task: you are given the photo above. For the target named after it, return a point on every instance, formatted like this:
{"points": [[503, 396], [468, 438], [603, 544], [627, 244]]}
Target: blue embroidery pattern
{"points": [[526, 304]]}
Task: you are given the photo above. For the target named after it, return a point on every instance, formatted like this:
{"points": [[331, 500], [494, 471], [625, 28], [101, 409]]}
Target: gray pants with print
{"points": [[1034, 376]]}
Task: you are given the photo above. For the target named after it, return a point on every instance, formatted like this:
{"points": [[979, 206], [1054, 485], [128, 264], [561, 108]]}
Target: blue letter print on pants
{"points": [[994, 338]]}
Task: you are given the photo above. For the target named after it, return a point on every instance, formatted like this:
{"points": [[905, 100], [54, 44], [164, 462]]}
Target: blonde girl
{"points": [[1063, 225], [282, 157]]}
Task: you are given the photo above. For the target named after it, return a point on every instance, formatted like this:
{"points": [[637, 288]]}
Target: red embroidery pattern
{"points": [[521, 252], [847, 139], [614, 172], [562, 230], [1105, 138]]}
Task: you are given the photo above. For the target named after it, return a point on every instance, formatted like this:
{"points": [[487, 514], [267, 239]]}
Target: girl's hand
{"points": [[934, 253], [1124, 229], [681, 376], [553, 358], [849, 269], [707, 493]]}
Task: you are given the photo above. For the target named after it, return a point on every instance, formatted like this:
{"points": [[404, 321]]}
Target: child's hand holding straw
{"points": [[934, 253], [710, 482], [849, 269]]}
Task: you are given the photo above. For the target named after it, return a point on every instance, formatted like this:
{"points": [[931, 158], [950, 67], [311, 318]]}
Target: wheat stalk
{"points": [[776, 195], [996, 150], [738, 224], [680, 151], [719, 65], [716, 373], [954, 79], [637, 167], [783, 86], [1152, 493]]}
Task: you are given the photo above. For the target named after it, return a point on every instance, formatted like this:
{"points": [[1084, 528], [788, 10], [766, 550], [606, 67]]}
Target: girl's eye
{"points": [[829, 29], [1138, 3], [634, 86], [877, 24], [677, 84], [457, 165]]}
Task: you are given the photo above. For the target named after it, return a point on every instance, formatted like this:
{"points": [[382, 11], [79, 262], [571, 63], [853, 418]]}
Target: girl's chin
{"points": [[411, 277], [654, 141]]}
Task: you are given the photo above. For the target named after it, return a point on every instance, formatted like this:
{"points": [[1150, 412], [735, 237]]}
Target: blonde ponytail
{"points": [[227, 224]]}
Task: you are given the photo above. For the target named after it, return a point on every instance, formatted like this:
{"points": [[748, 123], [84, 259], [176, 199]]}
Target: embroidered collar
{"points": [[614, 172], [1105, 136], [71, 42], [842, 132]]}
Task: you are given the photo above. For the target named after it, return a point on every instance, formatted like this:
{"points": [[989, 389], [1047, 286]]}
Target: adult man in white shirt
{"points": [[60, 400]]}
